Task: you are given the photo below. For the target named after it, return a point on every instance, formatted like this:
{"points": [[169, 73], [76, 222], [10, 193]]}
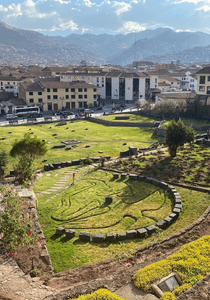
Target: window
{"points": [[67, 90], [55, 90], [202, 79], [208, 89], [40, 100], [31, 100], [31, 93], [72, 90], [102, 85], [202, 89], [72, 96], [80, 96], [97, 79], [48, 97], [39, 93], [79, 89], [72, 105], [102, 79], [94, 90], [1, 83], [85, 96], [94, 96], [48, 90], [67, 96], [55, 97], [80, 104], [85, 90], [97, 84], [208, 78]]}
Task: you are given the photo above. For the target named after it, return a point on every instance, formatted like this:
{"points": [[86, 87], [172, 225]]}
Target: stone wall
{"points": [[126, 124]]}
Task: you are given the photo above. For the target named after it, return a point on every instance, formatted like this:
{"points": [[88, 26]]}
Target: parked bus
{"points": [[27, 111]]}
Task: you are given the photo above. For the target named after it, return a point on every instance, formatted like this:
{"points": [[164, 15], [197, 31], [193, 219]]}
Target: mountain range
{"points": [[162, 44]]}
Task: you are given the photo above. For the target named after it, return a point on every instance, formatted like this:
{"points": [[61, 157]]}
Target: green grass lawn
{"points": [[132, 118], [100, 138], [82, 207], [187, 121]]}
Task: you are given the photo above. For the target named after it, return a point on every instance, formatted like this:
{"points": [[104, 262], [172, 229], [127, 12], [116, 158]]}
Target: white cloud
{"points": [[14, 11], [63, 1], [30, 10], [121, 7], [88, 3], [190, 1], [204, 8], [2, 8], [132, 27]]}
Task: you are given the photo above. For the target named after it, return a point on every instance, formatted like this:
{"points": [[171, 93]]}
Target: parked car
{"points": [[11, 117], [99, 108]]}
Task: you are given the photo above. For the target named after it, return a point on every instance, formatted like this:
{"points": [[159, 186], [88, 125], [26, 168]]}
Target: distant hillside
{"points": [[29, 47], [123, 49]]}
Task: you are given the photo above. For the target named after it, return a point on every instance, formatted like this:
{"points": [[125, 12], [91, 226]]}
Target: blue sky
{"points": [[62, 17]]}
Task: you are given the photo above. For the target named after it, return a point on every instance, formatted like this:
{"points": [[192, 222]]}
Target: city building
{"points": [[55, 95]]}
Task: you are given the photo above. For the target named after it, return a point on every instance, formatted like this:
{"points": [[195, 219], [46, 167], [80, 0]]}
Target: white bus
{"points": [[27, 111]]}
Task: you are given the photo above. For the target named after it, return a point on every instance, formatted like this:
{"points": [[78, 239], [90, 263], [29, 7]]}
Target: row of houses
{"points": [[56, 88]]}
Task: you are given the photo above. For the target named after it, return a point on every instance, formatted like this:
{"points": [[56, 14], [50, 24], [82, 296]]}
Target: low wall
{"points": [[126, 124]]}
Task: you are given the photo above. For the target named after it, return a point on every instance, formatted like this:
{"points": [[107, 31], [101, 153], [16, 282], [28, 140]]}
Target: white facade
{"points": [[100, 81]]}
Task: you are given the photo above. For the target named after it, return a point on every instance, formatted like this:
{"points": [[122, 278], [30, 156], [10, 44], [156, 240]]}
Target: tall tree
{"points": [[27, 150], [177, 134]]}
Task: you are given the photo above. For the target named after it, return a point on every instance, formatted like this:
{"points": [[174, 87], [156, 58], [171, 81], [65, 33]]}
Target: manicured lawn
{"points": [[100, 138], [132, 118], [82, 207]]}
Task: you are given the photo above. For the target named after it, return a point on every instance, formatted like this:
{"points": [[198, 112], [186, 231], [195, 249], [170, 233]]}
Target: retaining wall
{"points": [[125, 124]]}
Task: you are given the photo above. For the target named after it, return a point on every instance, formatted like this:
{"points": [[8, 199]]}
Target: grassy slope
{"points": [[100, 138]]}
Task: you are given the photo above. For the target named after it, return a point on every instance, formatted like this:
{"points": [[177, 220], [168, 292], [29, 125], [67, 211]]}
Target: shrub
{"points": [[3, 163], [191, 262], [15, 228], [101, 294]]}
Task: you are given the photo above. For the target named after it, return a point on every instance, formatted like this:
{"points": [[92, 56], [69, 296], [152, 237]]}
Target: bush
{"points": [[101, 294], [177, 134], [13, 224], [3, 163], [191, 263]]}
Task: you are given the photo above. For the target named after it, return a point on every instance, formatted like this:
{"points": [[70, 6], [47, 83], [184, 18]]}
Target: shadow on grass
{"points": [[55, 236]]}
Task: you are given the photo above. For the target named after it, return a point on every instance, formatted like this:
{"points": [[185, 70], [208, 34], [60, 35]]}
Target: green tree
{"points": [[176, 135], [3, 163], [27, 150]]}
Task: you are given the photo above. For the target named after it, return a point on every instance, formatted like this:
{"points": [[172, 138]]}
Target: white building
{"points": [[116, 85]]}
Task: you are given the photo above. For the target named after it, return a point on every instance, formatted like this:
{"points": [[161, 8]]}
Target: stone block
{"points": [[123, 176], [107, 157], [177, 201], [108, 200], [133, 177], [70, 233], [64, 164], [142, 232], [59, 146], [151, 229], [68, 148], [60, 230], [110, 237], [161, 224], [124, 153], [116, 175], [56, 165], [154, 181], [163, 185], [179, 206], [98, 238], [120, 236], [96, 159], [176, 211], [51, 167], [46, 167], [85, 236], [133, 150], [131, 234], [148, 179], [173, 216], [75, 162], [141, 178], [69, 163], [168, 220]]}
